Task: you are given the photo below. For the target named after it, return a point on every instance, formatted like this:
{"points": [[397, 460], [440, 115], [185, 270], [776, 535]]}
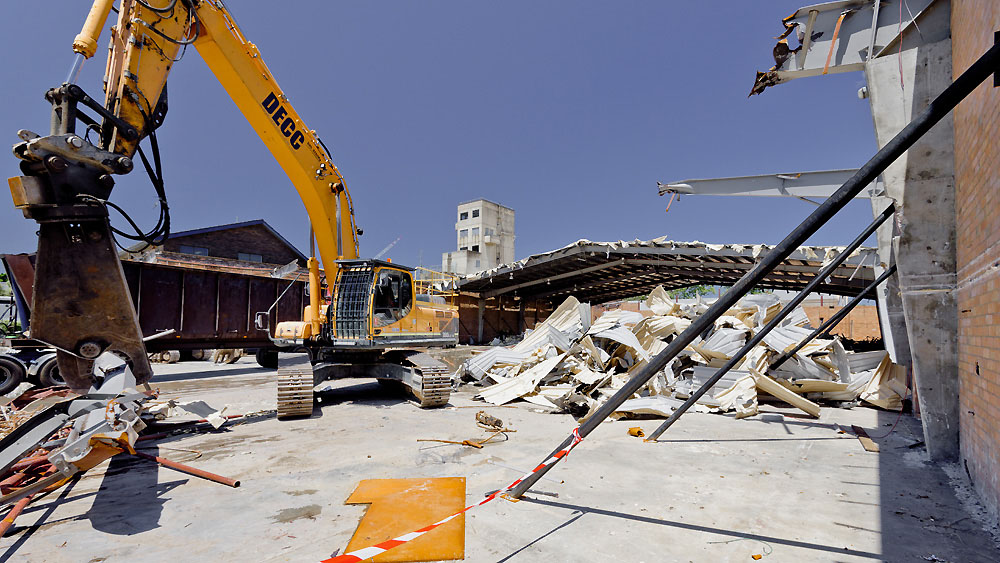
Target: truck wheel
{"points": [[267, 358], [48, 375], [11, 375]]}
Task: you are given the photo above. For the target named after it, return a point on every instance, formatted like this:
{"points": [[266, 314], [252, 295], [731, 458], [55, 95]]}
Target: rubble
{"points": [[568, 365], [49, 435]]}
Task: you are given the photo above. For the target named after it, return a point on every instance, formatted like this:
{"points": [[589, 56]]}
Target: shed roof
{"points": [[605, 271], [230, 226]]}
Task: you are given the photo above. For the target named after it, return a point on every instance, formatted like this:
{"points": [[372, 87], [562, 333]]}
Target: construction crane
{"points": [[369, 325], [387, 248]]}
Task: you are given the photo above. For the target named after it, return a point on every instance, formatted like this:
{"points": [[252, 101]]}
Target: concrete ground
{"points": [[779, 485]]}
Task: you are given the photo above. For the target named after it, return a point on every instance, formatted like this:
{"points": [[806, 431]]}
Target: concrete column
{"points": [[890, 311], [922, 184]]}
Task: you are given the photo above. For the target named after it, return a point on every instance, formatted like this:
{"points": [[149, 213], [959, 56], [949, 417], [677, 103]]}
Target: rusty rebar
{"points": [[8, 521], [190, 470]]}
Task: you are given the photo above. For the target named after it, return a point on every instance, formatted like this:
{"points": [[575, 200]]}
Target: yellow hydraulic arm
{"points": [[81, 304], [145, 43]]}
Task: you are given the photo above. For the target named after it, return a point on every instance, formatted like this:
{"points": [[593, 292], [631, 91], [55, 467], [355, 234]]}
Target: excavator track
{"points": [[431, 380], [295, 390]]}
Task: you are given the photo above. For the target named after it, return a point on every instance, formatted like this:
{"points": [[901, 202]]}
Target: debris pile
{"points": [[48, 435], [567, 364]]}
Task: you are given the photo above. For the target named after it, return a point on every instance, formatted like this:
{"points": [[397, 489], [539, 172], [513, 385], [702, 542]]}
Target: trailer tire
{"points": [[49, 376], [267, 358], [11, 375]]}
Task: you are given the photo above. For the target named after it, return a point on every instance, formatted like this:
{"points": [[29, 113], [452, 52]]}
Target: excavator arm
{"points": [[81, 302]]}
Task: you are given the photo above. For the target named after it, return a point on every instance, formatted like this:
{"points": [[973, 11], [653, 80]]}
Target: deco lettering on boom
{"points": [[280, 117]]}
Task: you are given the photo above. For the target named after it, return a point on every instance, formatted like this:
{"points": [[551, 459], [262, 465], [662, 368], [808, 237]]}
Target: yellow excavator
{"points": [[376, 317]]}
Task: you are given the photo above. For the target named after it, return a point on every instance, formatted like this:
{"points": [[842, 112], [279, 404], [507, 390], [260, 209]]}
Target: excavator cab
{"points": [[380, 304]]}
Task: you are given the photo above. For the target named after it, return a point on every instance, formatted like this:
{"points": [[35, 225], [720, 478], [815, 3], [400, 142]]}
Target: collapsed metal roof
{"points": [[604, 271]]}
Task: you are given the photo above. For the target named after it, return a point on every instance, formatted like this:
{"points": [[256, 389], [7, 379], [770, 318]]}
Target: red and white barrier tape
{"points": [[379, 548]]}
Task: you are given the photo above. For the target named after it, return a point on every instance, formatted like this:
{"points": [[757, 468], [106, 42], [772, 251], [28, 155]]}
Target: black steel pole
{"points": [[936, 110], [836, 318], [785, 311]]}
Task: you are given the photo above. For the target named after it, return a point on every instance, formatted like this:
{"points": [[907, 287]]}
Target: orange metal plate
{"points": [[400, 506]]}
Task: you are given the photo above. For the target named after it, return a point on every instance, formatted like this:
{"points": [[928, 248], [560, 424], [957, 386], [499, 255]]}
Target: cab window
{"points": [[393, 296]]}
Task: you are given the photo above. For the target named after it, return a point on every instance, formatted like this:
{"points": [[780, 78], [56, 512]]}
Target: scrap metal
{"points": [[836, 37]]}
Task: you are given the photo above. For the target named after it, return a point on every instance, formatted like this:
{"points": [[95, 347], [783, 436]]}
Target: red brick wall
{"points": [[977, 209], [860, 324]]}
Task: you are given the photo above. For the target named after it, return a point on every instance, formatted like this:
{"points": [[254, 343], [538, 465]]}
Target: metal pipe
{"points": [[836, 318], [275, 304], [190, 470], [785, 311], [11, 481], [28, 463], [8, 521], [33, 488], [936, 110], [165, 332]]}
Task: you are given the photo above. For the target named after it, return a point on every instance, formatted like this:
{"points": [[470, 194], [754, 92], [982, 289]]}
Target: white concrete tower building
{"points": [[485, 236]]}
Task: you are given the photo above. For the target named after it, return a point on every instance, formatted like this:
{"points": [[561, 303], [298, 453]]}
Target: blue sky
{"points": [[568, 112]]}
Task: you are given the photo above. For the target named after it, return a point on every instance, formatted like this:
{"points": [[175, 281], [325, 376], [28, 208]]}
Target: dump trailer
{"points": [[192, 308]]}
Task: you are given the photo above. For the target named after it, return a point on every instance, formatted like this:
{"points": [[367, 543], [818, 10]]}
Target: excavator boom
{"points": [[81, 304]]}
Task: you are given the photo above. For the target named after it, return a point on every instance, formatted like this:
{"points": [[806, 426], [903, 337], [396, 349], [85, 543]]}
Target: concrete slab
{"points": [[714, 489]]}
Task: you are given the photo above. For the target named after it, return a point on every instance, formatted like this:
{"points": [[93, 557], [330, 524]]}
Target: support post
{"points": [[787, 310], [482, 314], [836, 318], [940, 107]]}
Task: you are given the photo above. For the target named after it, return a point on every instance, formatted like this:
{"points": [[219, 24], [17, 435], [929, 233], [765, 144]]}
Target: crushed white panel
{"points": [[887, 387], [478, 365], [741, 396], [572, 318], [785, 337], [625, 337], [599, 356], [864, 361], [842, 362], [763, 302], [661, 327], [700, 375], [548, 334], [797, 317], [616, 318], [588, 376], [723, 343], [657, 406], [660, 303], [525, 383]]}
